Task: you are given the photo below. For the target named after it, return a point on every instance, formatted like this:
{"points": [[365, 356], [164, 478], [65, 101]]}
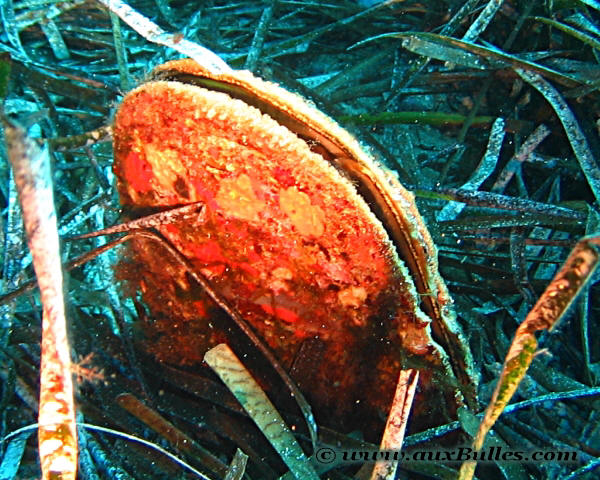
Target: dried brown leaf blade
{"points": [[393, 435], [170, 432], [57, 435], [193, 212], [545, 315]]}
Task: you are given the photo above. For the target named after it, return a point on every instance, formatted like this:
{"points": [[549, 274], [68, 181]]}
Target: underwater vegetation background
{"points": [[487, 111]]}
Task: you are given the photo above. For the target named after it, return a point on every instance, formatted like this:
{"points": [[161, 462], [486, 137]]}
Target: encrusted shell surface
{"points": [[305, 235]]}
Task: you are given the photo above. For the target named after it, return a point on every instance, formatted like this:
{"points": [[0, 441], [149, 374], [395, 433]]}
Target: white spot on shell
{"points": [[49, 446]]}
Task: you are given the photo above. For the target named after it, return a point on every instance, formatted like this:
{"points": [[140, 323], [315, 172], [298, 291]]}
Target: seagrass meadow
{"points": [[352, 206]]}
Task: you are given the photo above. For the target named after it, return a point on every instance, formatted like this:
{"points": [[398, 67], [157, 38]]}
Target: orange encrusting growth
{"points": [[287, 241]]}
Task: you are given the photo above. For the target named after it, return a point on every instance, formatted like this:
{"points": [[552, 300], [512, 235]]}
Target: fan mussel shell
{"points": [[319, 248]]}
